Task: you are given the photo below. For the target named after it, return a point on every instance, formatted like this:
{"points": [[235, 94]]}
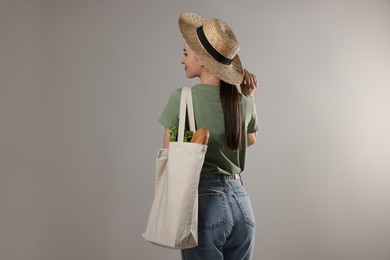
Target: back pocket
{"points": [[246, 207], [212, 210]]}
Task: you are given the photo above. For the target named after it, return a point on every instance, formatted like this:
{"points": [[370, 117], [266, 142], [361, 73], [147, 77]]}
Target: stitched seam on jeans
{"points": [[248, 220], [218, 223]]}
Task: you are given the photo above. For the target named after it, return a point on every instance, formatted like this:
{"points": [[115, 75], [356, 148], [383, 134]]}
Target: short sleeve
{"points": [[170, 114], [253, 122]]}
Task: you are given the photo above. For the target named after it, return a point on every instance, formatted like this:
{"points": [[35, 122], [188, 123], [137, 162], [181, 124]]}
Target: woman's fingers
{"points": [[249, 83], [250, 80]]}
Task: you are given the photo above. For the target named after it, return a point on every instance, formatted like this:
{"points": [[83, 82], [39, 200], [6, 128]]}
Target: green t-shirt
{"points": [[208, 114]]}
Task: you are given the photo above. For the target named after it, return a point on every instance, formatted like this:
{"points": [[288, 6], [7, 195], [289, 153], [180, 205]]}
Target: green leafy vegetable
{"points": [[188, 135], [174, 132]]}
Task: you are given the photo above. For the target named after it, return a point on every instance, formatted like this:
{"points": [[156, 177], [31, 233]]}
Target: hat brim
{"points": [[232, 73]]}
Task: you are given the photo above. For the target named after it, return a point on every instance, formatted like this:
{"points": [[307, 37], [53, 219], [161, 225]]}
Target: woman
{"points": [[226, 221]]}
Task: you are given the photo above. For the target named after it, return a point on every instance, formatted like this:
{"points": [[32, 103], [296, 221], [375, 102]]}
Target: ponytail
{"points": [[231, 105]]}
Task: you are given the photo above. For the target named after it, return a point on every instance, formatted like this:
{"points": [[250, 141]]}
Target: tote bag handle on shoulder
{"points": [[185, 102]]}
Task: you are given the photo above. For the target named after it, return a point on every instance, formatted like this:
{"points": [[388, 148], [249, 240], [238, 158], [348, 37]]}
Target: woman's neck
{"points": [[209, 79]]}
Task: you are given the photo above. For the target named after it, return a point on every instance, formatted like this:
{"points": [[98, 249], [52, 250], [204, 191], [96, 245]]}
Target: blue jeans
{"points": [[226, 224]]}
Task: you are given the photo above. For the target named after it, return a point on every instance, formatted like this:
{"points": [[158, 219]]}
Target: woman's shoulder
{"points": [[176, 92]]}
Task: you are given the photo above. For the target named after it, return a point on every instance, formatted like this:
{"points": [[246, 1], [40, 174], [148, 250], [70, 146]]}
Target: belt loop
{"points": [[237, 176]]}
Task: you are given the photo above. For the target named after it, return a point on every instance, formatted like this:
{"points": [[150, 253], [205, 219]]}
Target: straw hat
{"points": [[214, 44]]}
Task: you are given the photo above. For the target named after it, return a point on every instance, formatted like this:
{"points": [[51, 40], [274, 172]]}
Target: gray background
{"points": [[84, 82]]}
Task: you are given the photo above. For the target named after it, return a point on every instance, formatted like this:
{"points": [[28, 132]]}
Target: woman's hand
{"points": [[249, 84]]}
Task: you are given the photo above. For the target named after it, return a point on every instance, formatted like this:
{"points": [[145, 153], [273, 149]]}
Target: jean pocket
{"points": [[212, 210], [245, 205]]}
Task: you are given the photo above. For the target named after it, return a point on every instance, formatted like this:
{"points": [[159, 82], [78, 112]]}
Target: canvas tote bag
{"points": [[173, 218]]}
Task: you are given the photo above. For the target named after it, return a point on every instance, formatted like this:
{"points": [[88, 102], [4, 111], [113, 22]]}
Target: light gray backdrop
{"points": [[82, 84]]}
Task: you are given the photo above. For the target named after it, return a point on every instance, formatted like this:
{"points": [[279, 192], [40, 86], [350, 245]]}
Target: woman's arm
{"points": [[251, 138], [166, 138], [248, 88]]}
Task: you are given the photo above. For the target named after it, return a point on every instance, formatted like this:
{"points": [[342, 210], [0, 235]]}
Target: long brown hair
{"points": [[231, 105]]}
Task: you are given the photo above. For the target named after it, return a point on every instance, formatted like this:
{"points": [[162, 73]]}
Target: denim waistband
{"points": [[219, 176]]}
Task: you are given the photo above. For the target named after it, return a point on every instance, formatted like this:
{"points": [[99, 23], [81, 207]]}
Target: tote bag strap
{"points": [[186, 105]]}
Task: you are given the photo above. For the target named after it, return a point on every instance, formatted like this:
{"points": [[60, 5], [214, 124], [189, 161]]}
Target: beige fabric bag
{"points": [[173, 218]]}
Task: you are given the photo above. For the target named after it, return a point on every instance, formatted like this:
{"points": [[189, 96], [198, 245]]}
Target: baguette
{"points": [[201, 136]]}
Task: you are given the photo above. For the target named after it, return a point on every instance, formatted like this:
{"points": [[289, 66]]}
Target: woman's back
{"points": [[209, 114]]}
